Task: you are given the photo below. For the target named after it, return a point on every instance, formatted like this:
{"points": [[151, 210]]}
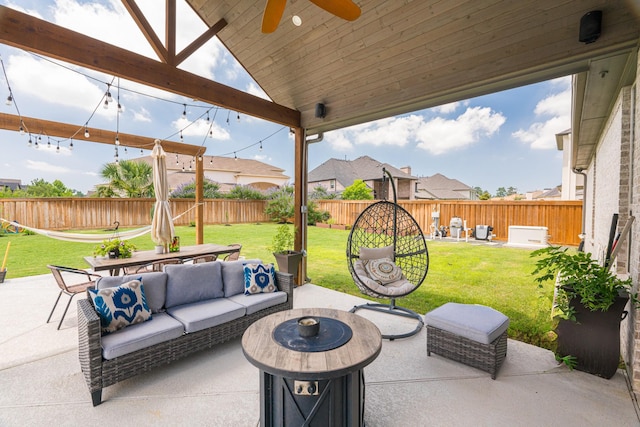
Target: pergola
{"points": [[398, 57]]}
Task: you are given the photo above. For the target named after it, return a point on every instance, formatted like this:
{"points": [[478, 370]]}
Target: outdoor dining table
{"points": [[102, 263]]}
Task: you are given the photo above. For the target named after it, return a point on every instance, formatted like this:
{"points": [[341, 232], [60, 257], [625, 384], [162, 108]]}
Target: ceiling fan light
{"points": [[297, 21]]}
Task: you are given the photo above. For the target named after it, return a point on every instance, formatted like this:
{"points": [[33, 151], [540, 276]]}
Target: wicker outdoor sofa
{"points": [[108, 358]]}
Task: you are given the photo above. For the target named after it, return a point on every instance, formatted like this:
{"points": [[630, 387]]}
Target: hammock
{"points": [[90, 238]]}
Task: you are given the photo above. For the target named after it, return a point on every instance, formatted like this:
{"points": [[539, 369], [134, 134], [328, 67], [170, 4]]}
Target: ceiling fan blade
{"points": [[272, 14], [345, 9]]}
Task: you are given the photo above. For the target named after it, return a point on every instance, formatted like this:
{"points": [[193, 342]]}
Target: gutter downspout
{"points": [[582, 236]]}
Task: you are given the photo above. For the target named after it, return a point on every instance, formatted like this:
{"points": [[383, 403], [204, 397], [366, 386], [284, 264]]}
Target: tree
{"points": [[128, 178], [41, 188], [210, 190], [501, 192], [245, 192], [511, 191], [482, 194], [357, 191], [321, 193], [280, 205]]}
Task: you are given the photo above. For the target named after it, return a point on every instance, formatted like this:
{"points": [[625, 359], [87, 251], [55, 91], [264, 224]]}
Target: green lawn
{"points": [[461, 272]]}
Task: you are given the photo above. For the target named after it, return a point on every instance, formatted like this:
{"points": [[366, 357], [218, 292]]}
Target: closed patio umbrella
{"points": [[162, 224]]}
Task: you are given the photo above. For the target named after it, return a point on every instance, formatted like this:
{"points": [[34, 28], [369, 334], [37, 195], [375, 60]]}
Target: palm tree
{"points": [[128, 178]]}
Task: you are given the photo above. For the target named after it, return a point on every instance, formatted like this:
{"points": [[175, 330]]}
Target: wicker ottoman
{"points": [[475, 335]]}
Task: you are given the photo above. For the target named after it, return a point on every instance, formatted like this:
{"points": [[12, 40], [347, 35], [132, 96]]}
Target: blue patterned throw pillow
{"points": [[259, 278], [121, 306]]}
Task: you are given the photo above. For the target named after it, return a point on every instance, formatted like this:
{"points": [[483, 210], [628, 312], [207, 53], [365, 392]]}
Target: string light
{"points": [[234, 156], [211, 161], [109, 98], [181, 138], [9, 100], [260, 145], [86, 131], [30, 143], [238, 117], [36, 144], [116, 156], [184, 111], [48, 142], [177, 162], [58, 148], [183, 170], [71, 145], [21, 130]]}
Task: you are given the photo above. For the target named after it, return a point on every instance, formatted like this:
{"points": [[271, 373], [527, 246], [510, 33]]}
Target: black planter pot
{"points": [[288, 262], [594, 339]]}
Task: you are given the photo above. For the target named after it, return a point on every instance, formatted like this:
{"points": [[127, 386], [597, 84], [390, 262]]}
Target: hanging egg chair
{"points": [[387, 257]]}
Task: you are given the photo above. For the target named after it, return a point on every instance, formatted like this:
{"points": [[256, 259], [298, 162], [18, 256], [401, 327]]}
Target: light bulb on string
{"points": [[141, 152], [238, 117], [211, 161], [58, 148], [234, 156], [228, 115], [105, 105], [9, 100], [30, 143], [71, 145], [181, 138], [177, 162], [210, 133], [260, 145], [184, 111], [208, 119], [21, 130], [48, 142], [109, 98], [119, 108], [36, 144], [86, 132], [125, 151], [117, 140], [183, 169], [116, 157]]}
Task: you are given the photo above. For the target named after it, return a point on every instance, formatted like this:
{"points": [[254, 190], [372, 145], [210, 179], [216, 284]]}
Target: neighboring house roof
{"points": [[440, 187], [226, 171], [552, 193], [345, 172], [11, 184]]}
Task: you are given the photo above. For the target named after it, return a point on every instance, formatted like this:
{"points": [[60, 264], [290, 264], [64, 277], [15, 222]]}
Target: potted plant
{"points": [[589, 306], [115, 248], [282, 248]]}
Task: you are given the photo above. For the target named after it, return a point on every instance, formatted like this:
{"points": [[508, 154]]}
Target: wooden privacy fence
{"points": [[562, 218], [79, 213]]}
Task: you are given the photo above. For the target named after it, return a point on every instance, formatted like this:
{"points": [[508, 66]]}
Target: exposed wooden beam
{"points": [[32, 34], [147, 30], [64, 130], [197, 43], [170, 30]]}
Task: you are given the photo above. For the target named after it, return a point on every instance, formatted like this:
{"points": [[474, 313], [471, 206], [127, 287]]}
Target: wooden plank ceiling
{"points": [[401, 56]]}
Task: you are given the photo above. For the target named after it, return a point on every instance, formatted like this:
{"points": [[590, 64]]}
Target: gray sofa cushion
{"points": [[477, 322], [154, 284], [206, 314], [187, 283], [233, 276], [160, 328], [257, 302]]}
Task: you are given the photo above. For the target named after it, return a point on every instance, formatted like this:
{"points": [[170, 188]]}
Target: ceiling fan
{"points": [[345, 9]]}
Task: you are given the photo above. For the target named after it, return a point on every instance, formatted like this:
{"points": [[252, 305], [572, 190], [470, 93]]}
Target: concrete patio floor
{"points": [[41, 383]]}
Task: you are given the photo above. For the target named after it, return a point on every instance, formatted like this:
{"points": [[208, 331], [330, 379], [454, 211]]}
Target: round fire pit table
{"points": [[317, 380]]}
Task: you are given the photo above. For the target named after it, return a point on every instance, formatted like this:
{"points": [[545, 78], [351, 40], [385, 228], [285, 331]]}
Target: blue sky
{"points": [[499, 140]]}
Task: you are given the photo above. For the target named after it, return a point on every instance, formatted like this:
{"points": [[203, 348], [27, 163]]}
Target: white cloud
{"points": [[446, 108], [439, 136], [201, 128], [46, 167], [554, 113], [142, 115], [256, 90]]}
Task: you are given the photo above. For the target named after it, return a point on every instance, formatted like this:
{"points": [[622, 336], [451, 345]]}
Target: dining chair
{"points": [[235, 254], [154, 266], [74, 287], [204, 258]]}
